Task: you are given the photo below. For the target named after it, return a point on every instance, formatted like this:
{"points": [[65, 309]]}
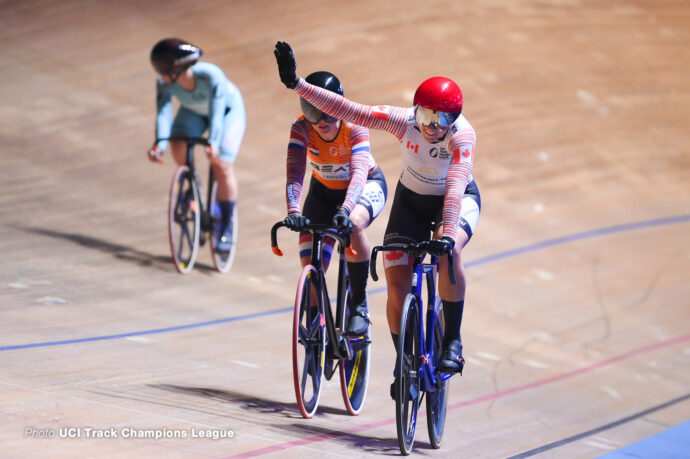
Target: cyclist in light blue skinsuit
{"points": [[208, 100]]}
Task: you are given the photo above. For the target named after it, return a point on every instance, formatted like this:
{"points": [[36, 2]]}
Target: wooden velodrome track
{"points": [[576, 326]]}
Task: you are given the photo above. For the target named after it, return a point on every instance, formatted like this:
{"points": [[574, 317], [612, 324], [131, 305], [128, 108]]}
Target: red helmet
{"points": [[439, 95]]}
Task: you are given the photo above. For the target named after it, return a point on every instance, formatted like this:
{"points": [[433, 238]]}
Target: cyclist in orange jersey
{"points": [[347, 189]]}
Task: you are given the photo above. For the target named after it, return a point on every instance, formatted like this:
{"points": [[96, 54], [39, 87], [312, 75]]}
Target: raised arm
{"points": [[382, 117]]}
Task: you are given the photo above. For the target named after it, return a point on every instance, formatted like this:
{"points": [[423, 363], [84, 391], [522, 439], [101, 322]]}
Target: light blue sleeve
{"points": [[164, 117], [218, 103]]}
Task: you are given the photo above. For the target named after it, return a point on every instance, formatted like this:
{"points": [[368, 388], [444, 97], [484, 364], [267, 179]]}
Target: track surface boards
{"points": [[576, 325]]}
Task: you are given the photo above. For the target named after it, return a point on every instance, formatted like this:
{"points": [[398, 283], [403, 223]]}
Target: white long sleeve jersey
{"points": [[442, 168]]}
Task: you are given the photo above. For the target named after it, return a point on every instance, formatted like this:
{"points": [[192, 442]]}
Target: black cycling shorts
{"points": [[414, 217]]}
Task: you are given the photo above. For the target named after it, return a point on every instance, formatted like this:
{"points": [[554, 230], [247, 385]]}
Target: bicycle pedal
{"points": [[345, 348]]}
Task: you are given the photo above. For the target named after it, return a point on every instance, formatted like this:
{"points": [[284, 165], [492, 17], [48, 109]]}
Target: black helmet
{"points": [[172, 55], [324, 80]]}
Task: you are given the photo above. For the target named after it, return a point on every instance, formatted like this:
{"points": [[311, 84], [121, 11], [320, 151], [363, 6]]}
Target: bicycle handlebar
{"points": [[188, 140], [327, 230], [417, 250]]}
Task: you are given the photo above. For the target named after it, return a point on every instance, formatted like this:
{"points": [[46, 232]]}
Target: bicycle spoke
{"points": [[308, 361]]}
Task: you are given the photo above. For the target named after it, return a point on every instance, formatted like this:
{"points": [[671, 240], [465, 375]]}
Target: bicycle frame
{"points": [[319, 345], [429, 380], [340, 348], [191, 142]]}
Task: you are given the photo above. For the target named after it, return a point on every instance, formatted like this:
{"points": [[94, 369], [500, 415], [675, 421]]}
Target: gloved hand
{"points": [[441, 246], [296, 222], [341, 220], [155, 154], [287, 67]]}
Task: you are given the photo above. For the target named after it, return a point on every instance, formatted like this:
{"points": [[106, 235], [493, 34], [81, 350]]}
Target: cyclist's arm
{"points": [[359, 166], [164, 110], [296, 165], [462, 156], [382, 117], [217, 105]]}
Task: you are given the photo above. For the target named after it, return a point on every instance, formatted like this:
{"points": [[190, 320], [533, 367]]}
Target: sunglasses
{"points": [[313, 114]]}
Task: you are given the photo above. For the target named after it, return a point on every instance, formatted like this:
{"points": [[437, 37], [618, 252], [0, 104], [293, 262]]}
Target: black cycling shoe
{"points": [[393, 390], [451, 359], [358, 324]]}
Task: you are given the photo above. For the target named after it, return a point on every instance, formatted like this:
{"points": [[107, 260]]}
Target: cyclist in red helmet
{"points": [[208, 101], [436, 196]]}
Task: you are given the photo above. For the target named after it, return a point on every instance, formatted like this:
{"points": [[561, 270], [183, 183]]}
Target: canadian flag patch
{"points": [[465, 155], [381, 112]]}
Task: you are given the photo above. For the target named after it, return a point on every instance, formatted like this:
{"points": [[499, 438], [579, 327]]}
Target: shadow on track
{"points": [[119, 251]]}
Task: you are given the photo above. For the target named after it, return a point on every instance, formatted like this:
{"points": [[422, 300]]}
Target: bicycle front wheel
{"points": [[221, 260], [308, 342], [437, 401], [407, 380], [184, 219]]}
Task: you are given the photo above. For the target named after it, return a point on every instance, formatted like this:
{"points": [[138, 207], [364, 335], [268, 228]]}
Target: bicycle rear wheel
{"points": [[407, 390], [437, 401], [184, 220], [222, 261], [354, 373], [308, 342]]}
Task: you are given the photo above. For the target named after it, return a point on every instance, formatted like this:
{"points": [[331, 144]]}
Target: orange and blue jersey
{"points": [[343, 163]]}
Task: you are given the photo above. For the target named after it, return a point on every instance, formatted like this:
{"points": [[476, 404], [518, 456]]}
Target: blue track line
{"points": [[148, 332], [482, 261]]}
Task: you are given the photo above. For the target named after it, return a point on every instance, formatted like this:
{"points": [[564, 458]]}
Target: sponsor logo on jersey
{"points": [[339, 152], [314, 151], [428, 170]]}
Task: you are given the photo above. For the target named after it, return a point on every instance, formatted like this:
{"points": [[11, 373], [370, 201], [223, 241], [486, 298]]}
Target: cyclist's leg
{"points": [[233, 132], [370, 205], [398, 268], [453, 298], [453, 295], [224, 172], [178, 150], [410, 221]]}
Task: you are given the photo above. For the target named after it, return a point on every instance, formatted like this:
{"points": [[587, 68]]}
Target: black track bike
{"points": [[319, 346], [192, 219]]}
